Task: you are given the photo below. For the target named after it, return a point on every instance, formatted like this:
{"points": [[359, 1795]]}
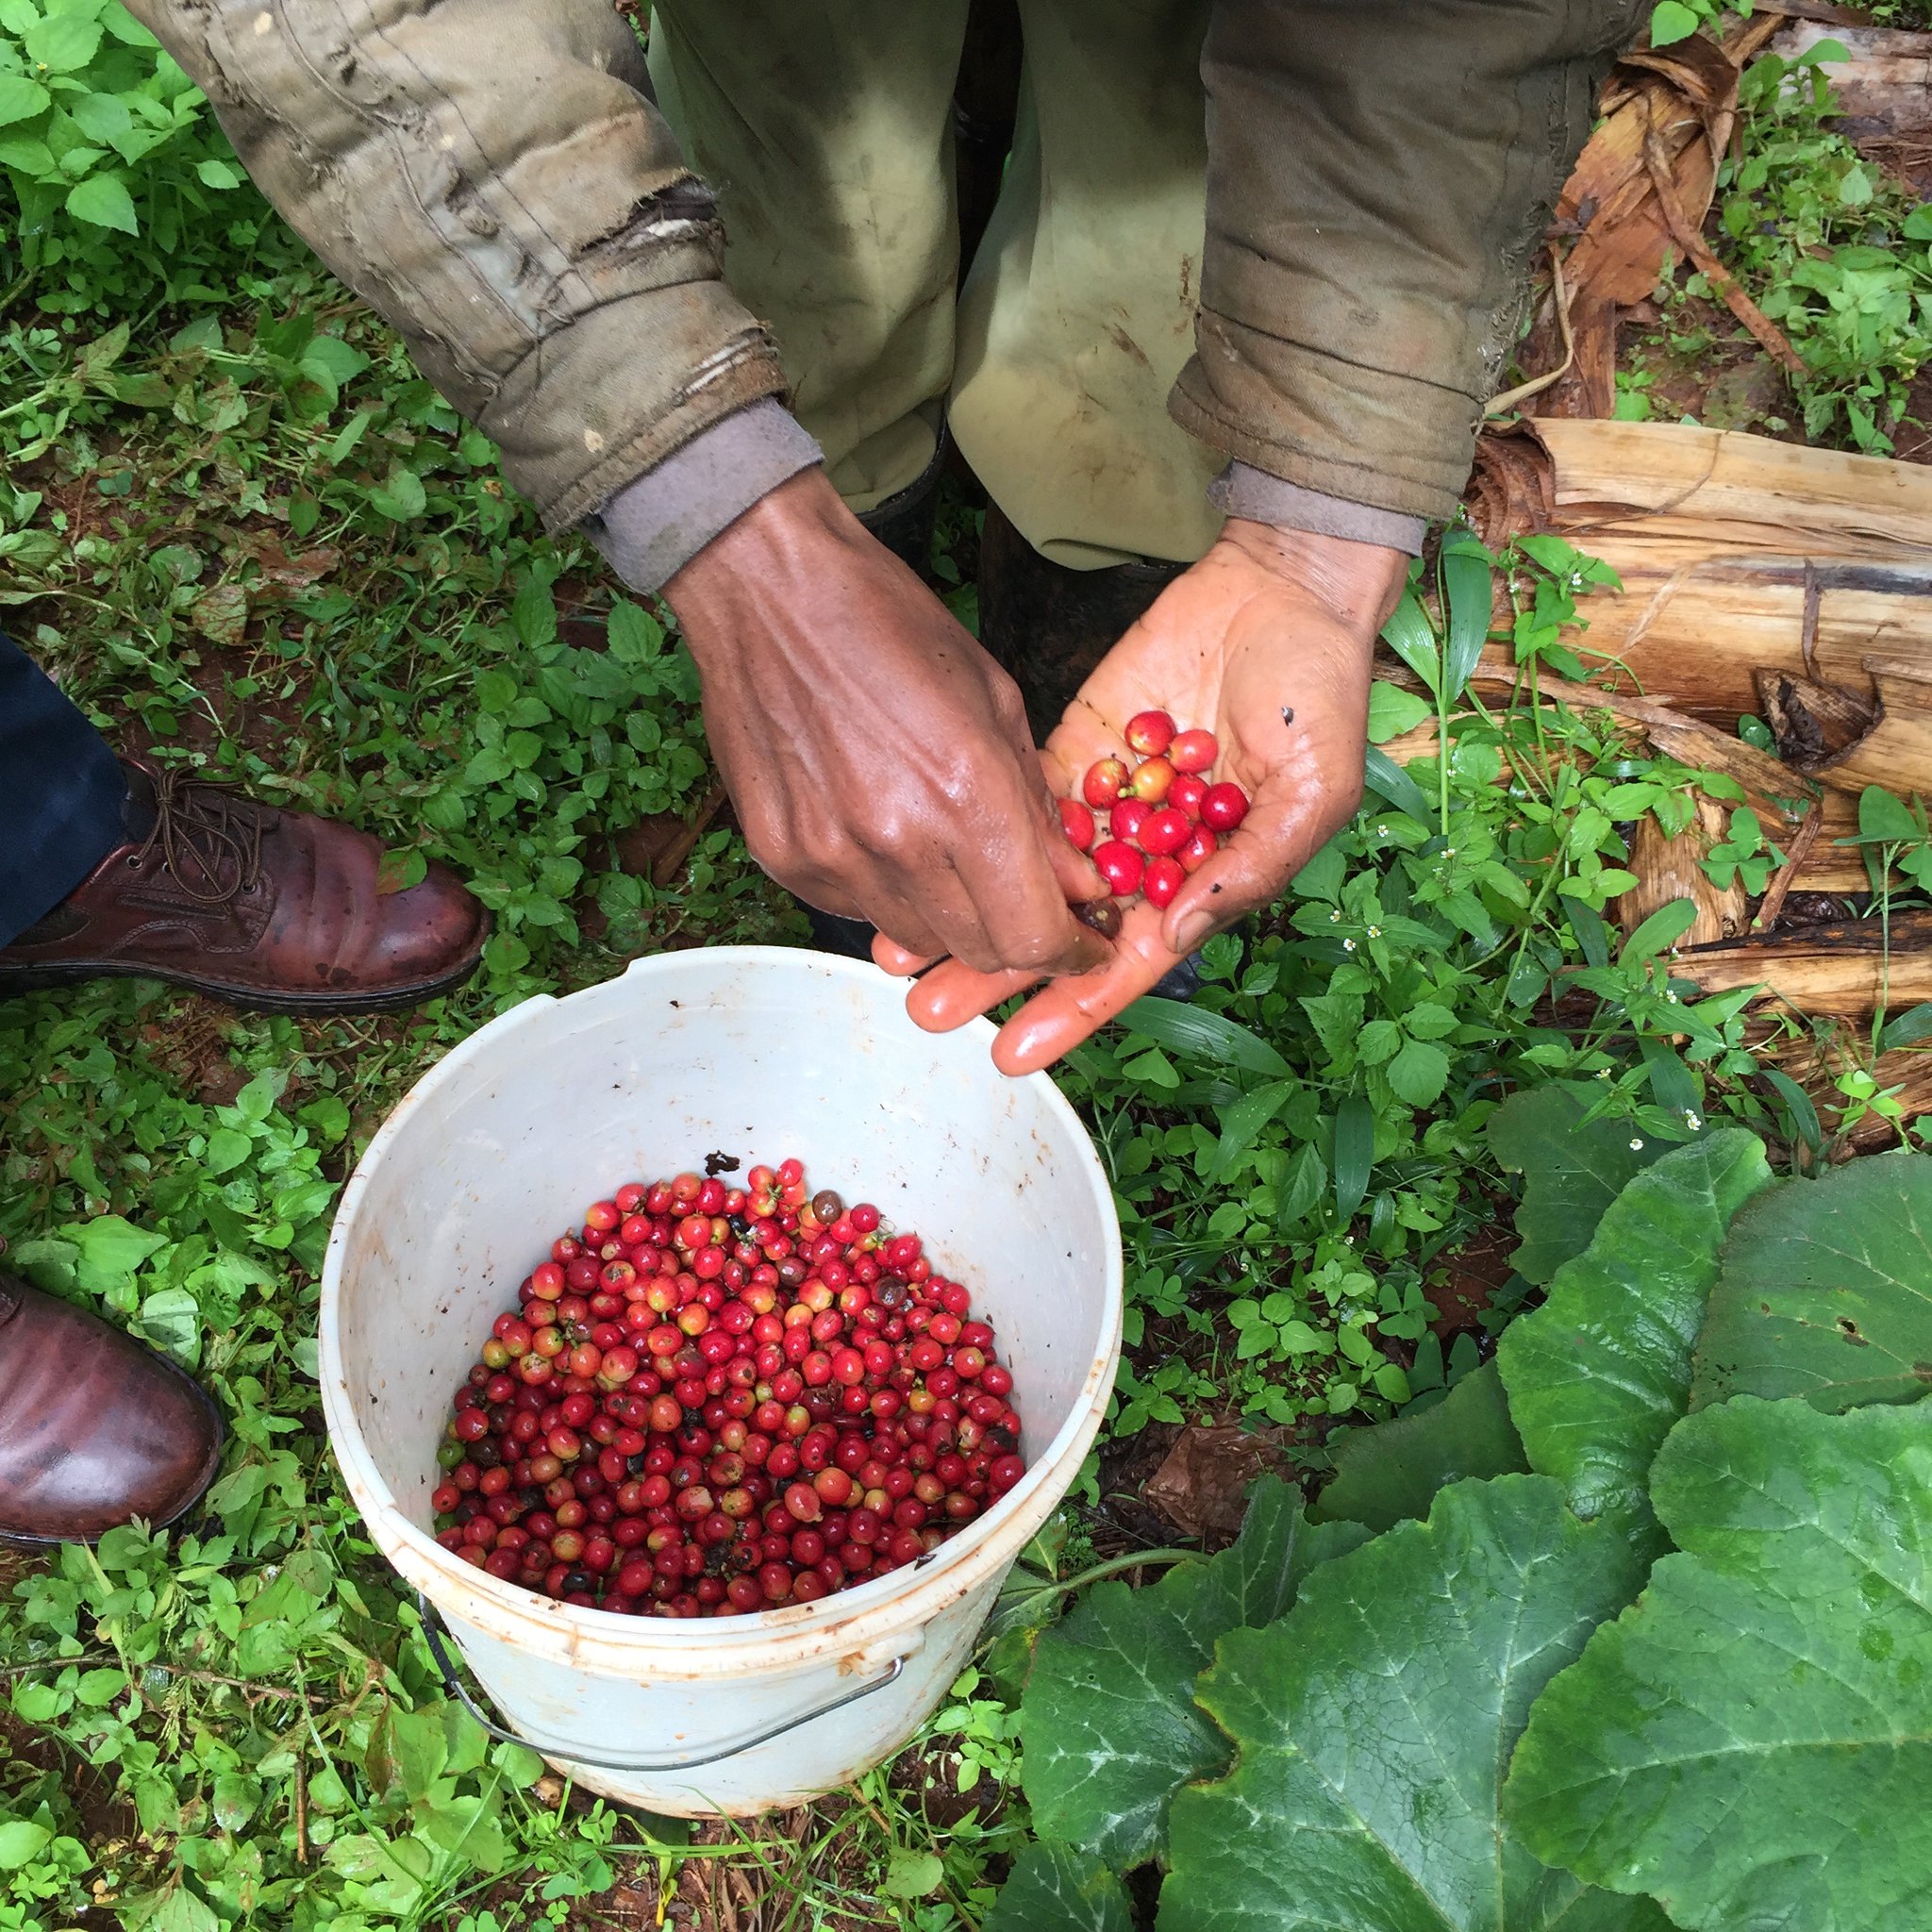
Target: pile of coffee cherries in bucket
{"points": [[713, 1400], [1164, 816]]}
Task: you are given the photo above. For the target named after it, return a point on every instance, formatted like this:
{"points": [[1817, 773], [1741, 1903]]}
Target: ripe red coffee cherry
{"points": [[1106, 779], [1193, 751], [1077, 822], [1164, 832], [1126, 819], [1224, 807], [1186, 791], [1200, 846], [1162, 879], [1149, 733], [1121, 866], [1150, 779]]}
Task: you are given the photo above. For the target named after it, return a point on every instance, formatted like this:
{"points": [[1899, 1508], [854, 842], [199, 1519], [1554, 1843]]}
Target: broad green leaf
{"points": [[21, 97], [1908, 1028], [1601, 1372], [1408, 634], [1383, 775], [101, 117], [1202, 1034], [1659, 933], [20, 1840], [1467, 597], [1670, 20], [1108, 1727], [1393, 710], [1241, 1123], [169, 1319], [63, 40], [1826, 1292], [1885, 819], [1372, 1726], [400, 495], [1751, 1743], [111, 1250], [912, 1872], [1054, 1887], [104, 201], [1354, 1153], [1394, 1469], [1419, 1073], [1571, 1173]]}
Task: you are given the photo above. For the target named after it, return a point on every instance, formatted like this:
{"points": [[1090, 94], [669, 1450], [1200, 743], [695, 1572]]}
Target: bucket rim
{"points": [[854, 1621]]}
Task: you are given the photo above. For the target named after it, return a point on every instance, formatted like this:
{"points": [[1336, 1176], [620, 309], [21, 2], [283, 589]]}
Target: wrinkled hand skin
{"points": [[878, 759], [1268, 640]]}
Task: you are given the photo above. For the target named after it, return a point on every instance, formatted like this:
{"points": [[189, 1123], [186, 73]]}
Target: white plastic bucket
{"points": [[760, 1054]]}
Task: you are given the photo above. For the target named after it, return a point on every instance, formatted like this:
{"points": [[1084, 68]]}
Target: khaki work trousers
{"points": [[825, 128]]}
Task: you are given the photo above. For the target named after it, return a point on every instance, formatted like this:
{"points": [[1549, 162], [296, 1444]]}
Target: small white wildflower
{"points": [[1375, 932], [1636, 1145], [1691, 1120], [1348, 945], [1335, 917], [1669, 997], [1448, 852], [1603, 1073], [1576, 580]]}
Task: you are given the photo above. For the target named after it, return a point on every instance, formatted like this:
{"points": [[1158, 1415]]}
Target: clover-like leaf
{"points": [[1826, 1292], [1374, 1724], [1109, 1725], [1752, 1742], [1599, 1373]]}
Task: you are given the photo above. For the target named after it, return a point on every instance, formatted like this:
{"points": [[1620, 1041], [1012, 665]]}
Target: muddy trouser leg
{"points": [[1075, 317], [826, 127]]}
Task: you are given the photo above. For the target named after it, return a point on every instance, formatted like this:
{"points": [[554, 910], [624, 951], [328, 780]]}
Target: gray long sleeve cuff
{"points": [[1243, 490], [652, 528]]}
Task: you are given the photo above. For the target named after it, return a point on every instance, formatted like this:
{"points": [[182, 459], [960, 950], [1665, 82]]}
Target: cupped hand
{"points": [[1268, 640], [878, 759]]}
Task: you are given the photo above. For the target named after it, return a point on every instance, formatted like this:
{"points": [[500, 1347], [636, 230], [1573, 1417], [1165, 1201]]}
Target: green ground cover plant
{"points": [[1673, 1675], [248, 537]]}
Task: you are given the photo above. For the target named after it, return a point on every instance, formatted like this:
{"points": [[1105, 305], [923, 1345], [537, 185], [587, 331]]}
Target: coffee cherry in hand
{"points": [[1164, 810]]}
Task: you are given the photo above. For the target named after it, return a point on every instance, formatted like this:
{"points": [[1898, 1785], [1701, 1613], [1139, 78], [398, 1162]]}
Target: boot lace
{"points": [[209, 838]]}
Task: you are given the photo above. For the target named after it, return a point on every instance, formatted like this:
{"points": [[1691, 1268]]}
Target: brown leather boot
{"points": [[276, 909], [95, 1429]]}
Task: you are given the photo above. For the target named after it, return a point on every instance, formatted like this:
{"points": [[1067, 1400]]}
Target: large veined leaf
{"points": [[1394, 1469], [1108, 1724], [1599, 1373], [1054, 1887], [1372, 1726], [1571, 1173], [1751, 1743], [1826, 1292]]}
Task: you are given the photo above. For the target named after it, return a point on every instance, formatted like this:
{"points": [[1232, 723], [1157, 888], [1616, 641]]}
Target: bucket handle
{"points": [[434, 1633]]}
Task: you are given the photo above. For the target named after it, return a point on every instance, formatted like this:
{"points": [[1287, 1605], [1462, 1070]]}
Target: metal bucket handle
{"points": [[433, 1631]]}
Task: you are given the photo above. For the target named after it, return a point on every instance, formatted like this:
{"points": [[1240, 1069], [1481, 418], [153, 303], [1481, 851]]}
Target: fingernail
{"points": [[1190, 934]]}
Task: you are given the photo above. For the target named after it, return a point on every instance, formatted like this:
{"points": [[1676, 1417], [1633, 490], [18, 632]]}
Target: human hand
{"points": [[879, 760], [1268, 640]]}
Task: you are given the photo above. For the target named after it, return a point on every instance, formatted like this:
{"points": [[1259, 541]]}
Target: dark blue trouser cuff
{"points": [[61, 790]]}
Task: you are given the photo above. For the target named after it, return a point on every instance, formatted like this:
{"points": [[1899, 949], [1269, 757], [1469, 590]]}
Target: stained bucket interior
{"points": [[755, 1054]]}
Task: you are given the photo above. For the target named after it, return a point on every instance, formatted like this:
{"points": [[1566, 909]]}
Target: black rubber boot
{"points": [[904, 521], [1048, 626]]}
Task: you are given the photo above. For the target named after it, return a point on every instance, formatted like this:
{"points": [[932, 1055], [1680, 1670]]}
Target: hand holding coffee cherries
{"points": [[1266, 644]]}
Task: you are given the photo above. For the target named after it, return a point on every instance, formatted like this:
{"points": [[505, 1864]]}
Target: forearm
{"points": [[1379, 174], [493, 178]]}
